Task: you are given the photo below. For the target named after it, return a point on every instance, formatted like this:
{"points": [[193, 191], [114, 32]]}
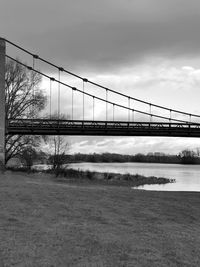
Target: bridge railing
{"points": [[79, 127]]}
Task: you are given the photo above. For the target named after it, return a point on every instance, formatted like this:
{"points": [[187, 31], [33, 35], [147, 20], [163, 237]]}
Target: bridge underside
{"points": [[100, 128]]}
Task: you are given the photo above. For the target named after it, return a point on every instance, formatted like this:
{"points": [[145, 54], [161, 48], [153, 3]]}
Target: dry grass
{"points": [[47, 223]]}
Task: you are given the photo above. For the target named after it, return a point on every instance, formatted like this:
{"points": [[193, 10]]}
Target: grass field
{"points": [[45, 222]]}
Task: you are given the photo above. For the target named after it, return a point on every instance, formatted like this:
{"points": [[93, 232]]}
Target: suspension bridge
{"points": [[121, 114]]}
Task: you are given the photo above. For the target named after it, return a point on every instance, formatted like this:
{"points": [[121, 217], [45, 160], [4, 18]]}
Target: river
{"points": [[187, 176]]}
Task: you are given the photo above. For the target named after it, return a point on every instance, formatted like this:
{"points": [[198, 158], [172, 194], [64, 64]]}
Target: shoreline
{"points": [[107, 178], [142, 162]]}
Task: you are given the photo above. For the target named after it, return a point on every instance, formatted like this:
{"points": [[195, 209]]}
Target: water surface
{"points": [[187, 176]]}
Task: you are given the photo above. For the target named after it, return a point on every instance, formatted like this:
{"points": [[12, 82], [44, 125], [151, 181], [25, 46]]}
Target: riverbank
{"points": [[110, 178], [44, 222], [105, 178]]}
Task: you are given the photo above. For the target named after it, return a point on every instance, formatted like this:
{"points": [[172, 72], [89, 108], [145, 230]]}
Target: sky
{"points": [[149, 49]]}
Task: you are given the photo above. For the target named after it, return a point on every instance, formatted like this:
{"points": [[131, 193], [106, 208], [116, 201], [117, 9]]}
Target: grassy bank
{"points": [[109, 178], [47, 223], [106, 178]]}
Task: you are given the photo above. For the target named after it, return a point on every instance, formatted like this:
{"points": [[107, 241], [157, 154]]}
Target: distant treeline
{"points": [[112, 157], [184, 157]]}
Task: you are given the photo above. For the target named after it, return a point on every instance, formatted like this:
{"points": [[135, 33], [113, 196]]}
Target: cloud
{"points": [[132, 145], [146, 48], [104, 34]]}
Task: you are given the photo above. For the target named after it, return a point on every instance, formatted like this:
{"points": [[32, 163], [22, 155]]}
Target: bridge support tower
{"points": [[2, 103]]}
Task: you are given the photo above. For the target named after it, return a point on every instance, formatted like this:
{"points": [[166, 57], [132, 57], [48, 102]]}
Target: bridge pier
{"points": [[2, 103]]}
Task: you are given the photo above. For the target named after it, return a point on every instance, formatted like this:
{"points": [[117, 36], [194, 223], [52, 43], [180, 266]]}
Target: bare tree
{"points": [[187, 156], [23, 100], [29, 154], [60, 148]]}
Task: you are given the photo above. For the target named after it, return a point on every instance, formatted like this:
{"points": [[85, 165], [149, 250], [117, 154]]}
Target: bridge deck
{"points": [[102, 128]]}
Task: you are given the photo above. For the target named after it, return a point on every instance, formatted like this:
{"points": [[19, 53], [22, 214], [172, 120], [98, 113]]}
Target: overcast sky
{"points": [[149, 49]]}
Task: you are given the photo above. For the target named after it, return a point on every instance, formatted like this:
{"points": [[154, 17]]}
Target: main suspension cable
{"points": [[90, 95], [50, 95], [96, 84]]}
